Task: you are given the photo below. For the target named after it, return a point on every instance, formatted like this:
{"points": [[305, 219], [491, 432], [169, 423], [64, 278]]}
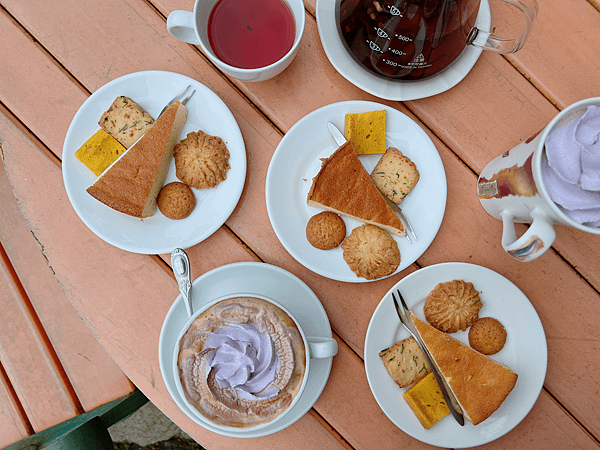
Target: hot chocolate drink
{"points": [[242, 362]]}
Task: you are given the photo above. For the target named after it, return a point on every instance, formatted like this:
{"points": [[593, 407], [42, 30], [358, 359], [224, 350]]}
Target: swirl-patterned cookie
{"points": [[452, 306], [371, 252], [201, 160]]}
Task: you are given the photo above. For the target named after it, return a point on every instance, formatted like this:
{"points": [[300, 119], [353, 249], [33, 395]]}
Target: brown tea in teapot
{"points": [[406, 39]]}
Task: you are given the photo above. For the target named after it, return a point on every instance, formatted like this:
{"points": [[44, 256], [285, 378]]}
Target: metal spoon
{"points": [[181, 268]]}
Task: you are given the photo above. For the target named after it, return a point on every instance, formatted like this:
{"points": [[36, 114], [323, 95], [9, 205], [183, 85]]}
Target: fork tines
{"points": [[404, 307], [178, 97]]}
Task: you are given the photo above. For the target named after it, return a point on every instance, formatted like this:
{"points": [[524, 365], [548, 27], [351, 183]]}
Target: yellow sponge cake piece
{"points": [[99, 152], [427, 401], [366, 131]]}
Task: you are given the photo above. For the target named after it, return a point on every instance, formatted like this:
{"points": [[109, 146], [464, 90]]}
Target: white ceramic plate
{"points": [[256, 278], [296, 162], [157, 234], [525, 353], [362, 78]]}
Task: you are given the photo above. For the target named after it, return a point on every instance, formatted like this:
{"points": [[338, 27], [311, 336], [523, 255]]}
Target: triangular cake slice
{"points": [[479, 383], [131, 184], [344, 186]]}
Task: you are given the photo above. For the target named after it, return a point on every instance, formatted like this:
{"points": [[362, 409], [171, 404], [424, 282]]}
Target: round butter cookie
{"points": [[176, 200], [452, 306], [487, 336], [201, 160], [371, 252], [325, 230]]}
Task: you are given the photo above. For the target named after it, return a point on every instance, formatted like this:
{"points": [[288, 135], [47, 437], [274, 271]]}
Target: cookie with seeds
{"points": [[395, 175], [405, 362], [126, 121]]}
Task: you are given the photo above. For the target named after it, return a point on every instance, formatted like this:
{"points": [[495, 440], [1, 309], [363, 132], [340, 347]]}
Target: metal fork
{"points": [[178, 97], [404, 314], [398, 210]]}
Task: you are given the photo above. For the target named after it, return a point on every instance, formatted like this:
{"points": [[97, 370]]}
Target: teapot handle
{"points": [[498, 44]]}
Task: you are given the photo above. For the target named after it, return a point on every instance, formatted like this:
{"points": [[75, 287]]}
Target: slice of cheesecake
{"points": [[131, 184], [344, 186], [479, 383]]}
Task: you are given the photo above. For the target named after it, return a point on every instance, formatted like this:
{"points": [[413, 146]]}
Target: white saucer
{"points": [[525, 353], [297, 160], [272, 282], [156, 234], [358, 75]]}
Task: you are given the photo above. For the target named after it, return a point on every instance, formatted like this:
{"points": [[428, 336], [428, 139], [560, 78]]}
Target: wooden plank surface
{"points": [[95, 377], [502, 102], [346, 387], [27, 360]]}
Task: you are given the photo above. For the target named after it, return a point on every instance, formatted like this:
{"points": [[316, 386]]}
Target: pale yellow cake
{"points": [[133, 182]]}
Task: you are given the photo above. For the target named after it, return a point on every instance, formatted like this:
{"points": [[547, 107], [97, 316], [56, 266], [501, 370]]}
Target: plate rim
{"points": [[411, 90], [366, 105], [453, 439], [323, 364], [68, 161]]}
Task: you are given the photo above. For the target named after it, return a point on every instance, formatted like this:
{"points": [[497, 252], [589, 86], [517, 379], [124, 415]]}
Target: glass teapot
{"points": [[416, 39]]}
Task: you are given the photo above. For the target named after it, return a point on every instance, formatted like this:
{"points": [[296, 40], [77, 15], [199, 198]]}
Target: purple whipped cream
{"points": [[244, 360], [571, 171]]}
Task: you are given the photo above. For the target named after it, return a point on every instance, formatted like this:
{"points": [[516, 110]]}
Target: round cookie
{"points": [[487, 336], [201, 160], [452, 306], [325, 230], [176, 200], [371, 252]]}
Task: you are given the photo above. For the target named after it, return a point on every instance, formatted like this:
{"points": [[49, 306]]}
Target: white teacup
{"points": [[314, 347], [192, 27], [511, 189]]}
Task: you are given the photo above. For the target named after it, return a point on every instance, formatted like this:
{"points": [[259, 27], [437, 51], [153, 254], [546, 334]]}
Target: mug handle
{"points": [[498, 44], [180, 25], [322, 347], [534, 242]]}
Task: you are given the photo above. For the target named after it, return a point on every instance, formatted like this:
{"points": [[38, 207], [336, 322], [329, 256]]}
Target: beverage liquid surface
{"points": [[406, 39], [251, 33]]}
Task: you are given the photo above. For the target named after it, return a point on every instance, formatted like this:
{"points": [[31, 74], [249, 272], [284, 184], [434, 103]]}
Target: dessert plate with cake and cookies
{"points": [[486, 339], [332, 206], [148, 182]]}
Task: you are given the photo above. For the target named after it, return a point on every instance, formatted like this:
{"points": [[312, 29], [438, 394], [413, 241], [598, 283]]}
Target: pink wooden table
{"points": [[55, 54]]}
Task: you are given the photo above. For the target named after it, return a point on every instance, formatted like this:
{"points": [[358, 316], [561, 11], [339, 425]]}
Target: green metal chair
{"points": [[88, 431]]}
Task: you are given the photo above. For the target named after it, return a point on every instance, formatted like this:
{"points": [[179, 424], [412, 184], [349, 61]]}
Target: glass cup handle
{"points": [[498, 44], [322, 347], [180, 25], [534, 242]]}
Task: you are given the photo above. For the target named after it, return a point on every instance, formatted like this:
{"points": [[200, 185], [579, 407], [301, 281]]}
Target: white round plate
{"points": [[362, 78], [297, 161], [525, 353], [156, 234], [256, 278]]}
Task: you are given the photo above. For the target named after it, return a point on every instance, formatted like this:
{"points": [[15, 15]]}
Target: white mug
{"points": [[315, 347], [511, 189], [192, 27]]}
